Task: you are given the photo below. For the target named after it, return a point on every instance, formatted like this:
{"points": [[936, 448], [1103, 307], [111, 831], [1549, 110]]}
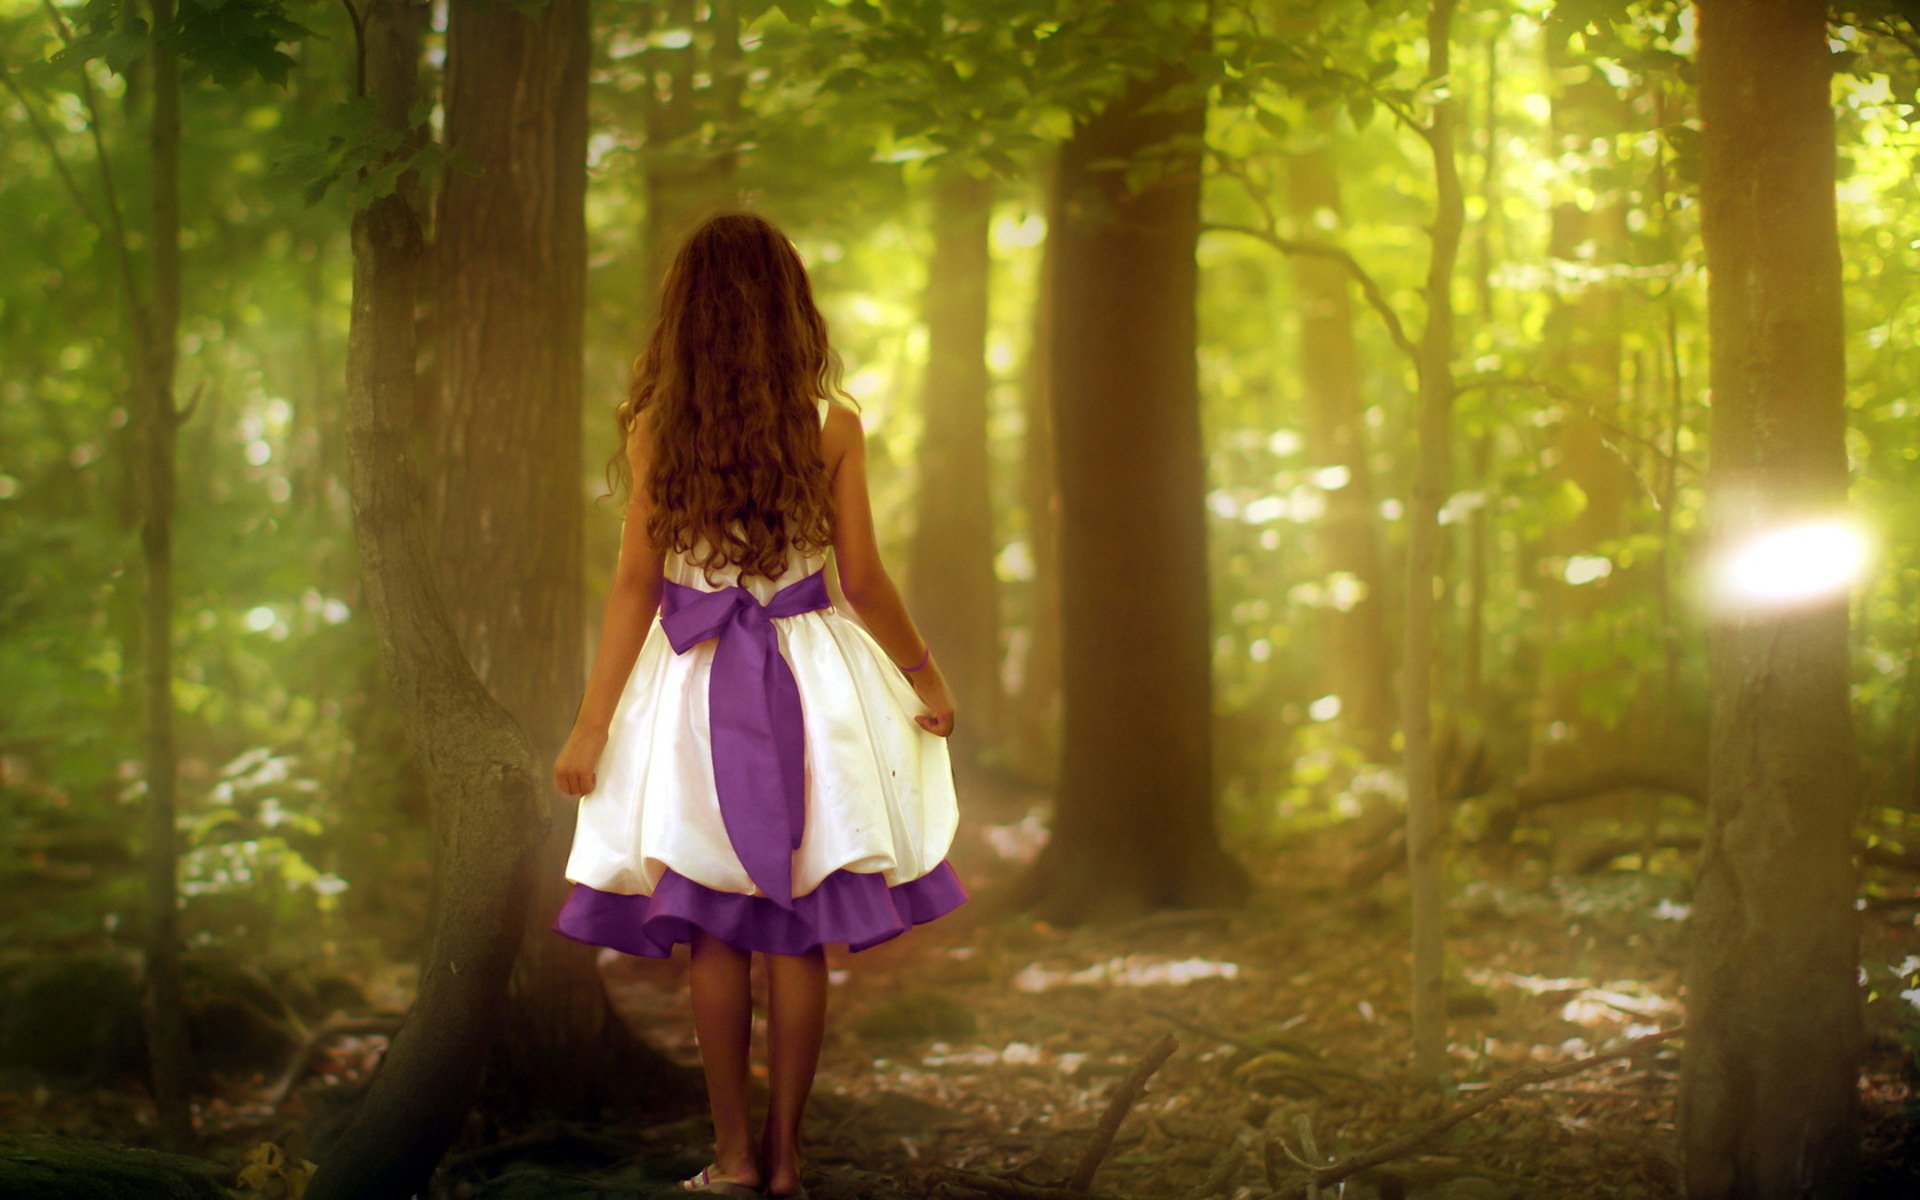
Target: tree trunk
{"points": [[1426, 829], [1035, 736], [951, 584], [1768, 1099], [1133, 826], [480, 768], [1480, 531], [510, 254], [1583, 350], [1358, 660], [162, 1002]]}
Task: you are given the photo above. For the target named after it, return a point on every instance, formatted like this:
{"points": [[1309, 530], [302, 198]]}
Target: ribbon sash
{"points": [[754, 717]]}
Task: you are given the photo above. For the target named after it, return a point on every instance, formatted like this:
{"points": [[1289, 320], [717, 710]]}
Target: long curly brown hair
{"points": [[738, 361]]}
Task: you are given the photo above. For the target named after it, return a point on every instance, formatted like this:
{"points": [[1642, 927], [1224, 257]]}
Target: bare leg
{"points": [[796, 1024], [723, 1022]]}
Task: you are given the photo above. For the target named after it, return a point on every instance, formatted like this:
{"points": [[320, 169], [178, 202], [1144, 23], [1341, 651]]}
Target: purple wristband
{"points": [[921, 663]]}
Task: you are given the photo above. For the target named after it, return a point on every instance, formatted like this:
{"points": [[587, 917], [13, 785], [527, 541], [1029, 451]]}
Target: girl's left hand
{"points": [[575, 771]]}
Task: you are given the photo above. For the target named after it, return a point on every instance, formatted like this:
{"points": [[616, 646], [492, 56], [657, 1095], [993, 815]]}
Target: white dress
{"points": [[651, 855]]}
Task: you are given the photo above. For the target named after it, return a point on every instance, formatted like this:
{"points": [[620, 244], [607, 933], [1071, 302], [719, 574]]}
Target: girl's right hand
{"points": [[575, 772], [931, 687]]}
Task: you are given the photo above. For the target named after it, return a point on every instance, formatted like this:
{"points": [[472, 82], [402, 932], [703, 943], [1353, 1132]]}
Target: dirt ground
{"points": [[989, 1043]]}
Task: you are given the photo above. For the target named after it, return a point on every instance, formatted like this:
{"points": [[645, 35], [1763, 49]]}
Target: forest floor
{"points": [[989, 1043]]}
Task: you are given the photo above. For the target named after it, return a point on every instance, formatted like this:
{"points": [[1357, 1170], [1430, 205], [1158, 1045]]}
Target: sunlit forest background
{"points": [[1216, 563]]}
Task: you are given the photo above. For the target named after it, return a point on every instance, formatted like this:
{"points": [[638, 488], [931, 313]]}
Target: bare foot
{"points": [[782, 1173]]}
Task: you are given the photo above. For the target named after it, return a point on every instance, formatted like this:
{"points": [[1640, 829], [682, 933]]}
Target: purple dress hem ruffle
{"points": [[855, 907]]}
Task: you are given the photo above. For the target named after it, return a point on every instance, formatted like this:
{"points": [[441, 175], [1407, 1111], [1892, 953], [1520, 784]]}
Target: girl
{"points": [[756, 771]]}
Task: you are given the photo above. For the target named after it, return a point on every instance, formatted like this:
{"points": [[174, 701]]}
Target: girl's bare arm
{"points": [[631, 604], [863, 577]]}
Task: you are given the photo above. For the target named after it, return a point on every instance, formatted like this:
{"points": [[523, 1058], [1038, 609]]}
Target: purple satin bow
{"points": [[753, 712]]}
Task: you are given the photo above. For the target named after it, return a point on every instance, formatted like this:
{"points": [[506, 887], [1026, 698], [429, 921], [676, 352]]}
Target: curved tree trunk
{"points": [[480, 767], [1768, 1090], [951, 584], [1133, 827]]}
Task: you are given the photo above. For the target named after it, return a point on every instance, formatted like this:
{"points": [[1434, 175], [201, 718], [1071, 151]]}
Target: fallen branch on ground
{"points": [[1124, 1098]]}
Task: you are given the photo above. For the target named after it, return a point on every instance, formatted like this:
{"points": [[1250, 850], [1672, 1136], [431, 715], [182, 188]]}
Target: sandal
{"points": [[704, 1182]]}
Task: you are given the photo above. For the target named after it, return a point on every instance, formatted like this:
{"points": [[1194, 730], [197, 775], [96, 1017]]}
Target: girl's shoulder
{"points": [[839, 412]]}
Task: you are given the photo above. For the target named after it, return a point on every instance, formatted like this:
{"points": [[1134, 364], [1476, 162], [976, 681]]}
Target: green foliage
{"points": [[295, 775], [351, 144], [227, 41]]}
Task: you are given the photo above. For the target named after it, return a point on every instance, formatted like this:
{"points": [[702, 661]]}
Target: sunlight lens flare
{"points": [[1793, 564]]}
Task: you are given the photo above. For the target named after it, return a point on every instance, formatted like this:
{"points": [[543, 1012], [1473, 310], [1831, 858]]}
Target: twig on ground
{"points": [[1223, 1171], [1079, 1185], [1219, 1035], [1124, 1098]]}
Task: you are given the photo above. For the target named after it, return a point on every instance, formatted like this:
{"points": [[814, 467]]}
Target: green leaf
{"points": [[800, 12]]}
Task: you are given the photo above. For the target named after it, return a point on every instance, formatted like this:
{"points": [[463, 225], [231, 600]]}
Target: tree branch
{"points": [[117, 224], [1376, 297], [1124, 1098], [53, 152]]}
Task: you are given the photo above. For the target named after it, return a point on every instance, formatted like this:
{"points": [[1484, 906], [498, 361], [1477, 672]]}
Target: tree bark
{"points": [[951, 584], [1359, 660], [510, 256], [1134, 825], [1768, 1091], [1035, 736], [163, 1003], [480, 767], [1426, 828]]}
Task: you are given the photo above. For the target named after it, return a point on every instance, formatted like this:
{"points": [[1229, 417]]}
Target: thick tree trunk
{"points": [[951, 585], [510, 255], [480, 768], [1426, 827], [162, 1001], [1358, 660], [1768, 1093], [1133, 827]]}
